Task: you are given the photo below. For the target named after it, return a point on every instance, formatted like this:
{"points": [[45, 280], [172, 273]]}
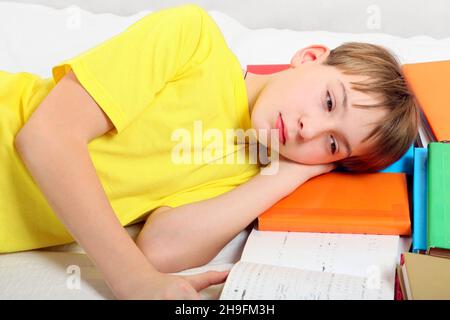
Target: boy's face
{"points": [[313, 103]]}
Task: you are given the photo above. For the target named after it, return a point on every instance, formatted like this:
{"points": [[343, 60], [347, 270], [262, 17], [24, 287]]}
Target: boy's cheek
{"points": [[304, 154]]}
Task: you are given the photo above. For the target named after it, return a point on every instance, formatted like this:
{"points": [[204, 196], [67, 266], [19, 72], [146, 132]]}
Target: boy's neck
{"points": [[254, 84]]}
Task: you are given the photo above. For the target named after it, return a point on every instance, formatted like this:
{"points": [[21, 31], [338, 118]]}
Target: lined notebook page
{"points": [[254, 281], [373, 257]]}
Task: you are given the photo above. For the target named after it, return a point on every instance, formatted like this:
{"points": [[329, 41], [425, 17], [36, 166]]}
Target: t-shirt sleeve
{"points": [[209, 190], [124, 73]]}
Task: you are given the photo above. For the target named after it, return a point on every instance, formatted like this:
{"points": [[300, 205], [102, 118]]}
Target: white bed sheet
{"points": [[224, 260]]}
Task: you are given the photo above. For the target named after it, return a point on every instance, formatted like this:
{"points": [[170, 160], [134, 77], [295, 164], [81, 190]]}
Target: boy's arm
{"points": [[188, 236], [53, 146]]}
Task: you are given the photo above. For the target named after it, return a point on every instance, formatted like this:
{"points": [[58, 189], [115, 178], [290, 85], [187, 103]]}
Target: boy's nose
{"points": [[308, 128], [300, 130]]}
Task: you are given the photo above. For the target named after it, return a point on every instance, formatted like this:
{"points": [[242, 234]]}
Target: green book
{"points": [[438, 195]]}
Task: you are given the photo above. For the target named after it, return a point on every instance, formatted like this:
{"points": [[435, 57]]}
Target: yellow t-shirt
{"points": [[154, 81]]}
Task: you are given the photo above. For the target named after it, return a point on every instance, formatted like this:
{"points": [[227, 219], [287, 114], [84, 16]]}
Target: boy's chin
{"points": [[270, 141], [271, 147]]}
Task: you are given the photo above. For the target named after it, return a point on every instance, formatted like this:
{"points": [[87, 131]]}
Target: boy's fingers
{"points": [[194, 295], [206, 279]]}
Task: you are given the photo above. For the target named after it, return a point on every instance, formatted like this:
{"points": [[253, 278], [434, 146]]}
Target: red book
{"points": [[399, 281], [267, 68]]}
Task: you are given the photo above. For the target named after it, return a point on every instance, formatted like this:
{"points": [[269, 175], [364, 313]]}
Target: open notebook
{"points": [[318, 266]]}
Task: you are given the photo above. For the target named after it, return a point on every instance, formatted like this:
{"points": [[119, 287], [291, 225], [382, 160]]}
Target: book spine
{"points": [[439, 253], [420, 200], [389, 227], [438, 187]]}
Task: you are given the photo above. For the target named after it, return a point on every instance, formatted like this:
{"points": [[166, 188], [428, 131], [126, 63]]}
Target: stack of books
{"points": [[338, 236], [432, 154], [430, 194], [426, 274], [424, 277]]}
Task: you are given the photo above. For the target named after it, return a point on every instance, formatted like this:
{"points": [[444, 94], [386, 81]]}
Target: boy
{"points": [[107, 142]]}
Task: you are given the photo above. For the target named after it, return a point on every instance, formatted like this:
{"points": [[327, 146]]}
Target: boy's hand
{"points": [[165, 286], [293, 174], [307, 171]]}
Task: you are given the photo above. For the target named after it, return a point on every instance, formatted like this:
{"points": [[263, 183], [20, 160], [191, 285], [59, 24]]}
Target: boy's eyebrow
{"points": [[347, 146], [344, 95], [345, 105]]}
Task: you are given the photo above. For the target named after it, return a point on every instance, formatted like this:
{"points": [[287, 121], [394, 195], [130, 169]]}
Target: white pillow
{"points": [[35, 37]]}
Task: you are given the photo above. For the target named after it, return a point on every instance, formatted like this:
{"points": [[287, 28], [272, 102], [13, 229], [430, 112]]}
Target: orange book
{"points": [[341, 202], [429, 83]]}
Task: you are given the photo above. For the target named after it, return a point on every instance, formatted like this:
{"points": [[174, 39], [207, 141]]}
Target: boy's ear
{"points": [[315, 53]]}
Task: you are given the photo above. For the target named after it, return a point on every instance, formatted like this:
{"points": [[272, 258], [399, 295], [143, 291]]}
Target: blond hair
{"points": [[394, 134]]}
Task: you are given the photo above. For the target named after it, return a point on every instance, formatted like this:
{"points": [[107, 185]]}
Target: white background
{"points": [[397, 17]]}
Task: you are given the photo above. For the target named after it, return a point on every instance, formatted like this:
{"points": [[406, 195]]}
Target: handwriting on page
{"points": [[368, 256], [251, 281]]}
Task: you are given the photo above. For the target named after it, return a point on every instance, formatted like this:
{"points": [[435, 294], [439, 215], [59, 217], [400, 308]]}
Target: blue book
{"points": [[420, 199], [405, 164]]}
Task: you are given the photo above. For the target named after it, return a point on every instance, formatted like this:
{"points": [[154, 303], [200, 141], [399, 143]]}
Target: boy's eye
{"points": [[329, 102], [333, 145]]}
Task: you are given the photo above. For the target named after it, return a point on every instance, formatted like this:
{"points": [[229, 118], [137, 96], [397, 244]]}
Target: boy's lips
{"points": [[282, 132], [285, 130]]}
